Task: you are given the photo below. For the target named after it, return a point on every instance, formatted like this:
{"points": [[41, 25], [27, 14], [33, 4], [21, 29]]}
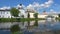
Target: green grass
{"points": [[58, 18], [18, 20]]}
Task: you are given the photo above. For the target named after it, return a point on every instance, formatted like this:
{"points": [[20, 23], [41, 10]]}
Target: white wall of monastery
{"points": [[42, 16], [5, 14]]}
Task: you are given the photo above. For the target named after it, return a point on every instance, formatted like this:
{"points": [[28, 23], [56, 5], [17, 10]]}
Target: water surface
{"points": [[31, 27]]}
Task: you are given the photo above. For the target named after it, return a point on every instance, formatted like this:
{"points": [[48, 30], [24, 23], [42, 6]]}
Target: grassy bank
{"points": [[58, 18], [18, 20]]}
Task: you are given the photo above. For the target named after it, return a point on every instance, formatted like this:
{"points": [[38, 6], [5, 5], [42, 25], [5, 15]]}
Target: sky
{"points": [[40, 5]]}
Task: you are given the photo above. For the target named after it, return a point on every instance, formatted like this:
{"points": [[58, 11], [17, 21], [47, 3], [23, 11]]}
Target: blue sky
{"points": [[55, 6]]}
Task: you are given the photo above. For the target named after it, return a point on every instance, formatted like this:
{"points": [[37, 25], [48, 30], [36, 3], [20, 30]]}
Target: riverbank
{"points": [[58, 18], [19, 19]]}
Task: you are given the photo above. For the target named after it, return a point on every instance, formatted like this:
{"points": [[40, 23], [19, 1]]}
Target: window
{"points": [[8, 16], [6, 12], [1, 12]]}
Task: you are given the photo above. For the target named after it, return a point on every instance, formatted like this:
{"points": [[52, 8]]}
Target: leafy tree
{"points": [[59, 15], [28, 15], [36, 15], [14, 12]]}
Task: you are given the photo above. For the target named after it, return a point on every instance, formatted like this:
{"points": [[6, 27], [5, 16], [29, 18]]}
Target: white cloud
{"points": [[53, 11], [3, 8], [30, 7], [42, 5], [38, 6], [49, 3]]}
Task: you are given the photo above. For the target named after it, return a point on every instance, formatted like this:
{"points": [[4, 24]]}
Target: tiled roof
{"points": [[5, 10]]}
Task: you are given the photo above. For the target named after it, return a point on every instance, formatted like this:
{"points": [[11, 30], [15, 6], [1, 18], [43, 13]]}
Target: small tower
{"points": [[44, 13], [22, 10], [20, 6]]}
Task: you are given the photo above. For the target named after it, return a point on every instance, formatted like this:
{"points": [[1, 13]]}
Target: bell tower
{"points": [[20, 6]]}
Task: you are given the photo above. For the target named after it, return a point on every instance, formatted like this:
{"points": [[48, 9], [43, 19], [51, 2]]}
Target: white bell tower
{"points": [[22, 10]]}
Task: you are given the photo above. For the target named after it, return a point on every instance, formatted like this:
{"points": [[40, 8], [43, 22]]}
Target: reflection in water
{"points": [[23, 22], [15, 29], [28, 23], [36, 23], [41, 26]]}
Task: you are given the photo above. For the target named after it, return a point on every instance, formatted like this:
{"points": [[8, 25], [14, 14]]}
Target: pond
{"points": [[32, 27]]}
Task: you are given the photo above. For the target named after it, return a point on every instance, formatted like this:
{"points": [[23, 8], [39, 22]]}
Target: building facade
{"points": [[5, 13]]}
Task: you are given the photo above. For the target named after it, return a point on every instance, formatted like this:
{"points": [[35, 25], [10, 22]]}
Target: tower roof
{"points": [[20, 4]]}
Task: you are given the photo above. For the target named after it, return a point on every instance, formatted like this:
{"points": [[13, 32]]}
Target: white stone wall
{"points": [[31, 15], [55, 15], [42, 16], [39, 16], [5, 14]]}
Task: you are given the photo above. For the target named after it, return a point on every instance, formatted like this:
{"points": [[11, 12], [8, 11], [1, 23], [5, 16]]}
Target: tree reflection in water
{"points": [[15, 29], [28, 24], [36, 23], [23, 23]]}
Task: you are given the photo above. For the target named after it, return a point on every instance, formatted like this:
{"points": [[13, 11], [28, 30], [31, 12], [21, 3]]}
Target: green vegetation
{"points": [[20, 19], [28, 16], [36, 15], [14, 12], [59, 15], [58, 18]]}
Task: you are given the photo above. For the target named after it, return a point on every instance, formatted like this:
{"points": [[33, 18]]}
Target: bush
{"points": [[18, 19]]}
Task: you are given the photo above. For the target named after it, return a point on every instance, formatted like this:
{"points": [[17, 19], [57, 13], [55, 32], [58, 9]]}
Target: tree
{"points": [[14, 12], [28, 15], [36, 15], [59, 15]]}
